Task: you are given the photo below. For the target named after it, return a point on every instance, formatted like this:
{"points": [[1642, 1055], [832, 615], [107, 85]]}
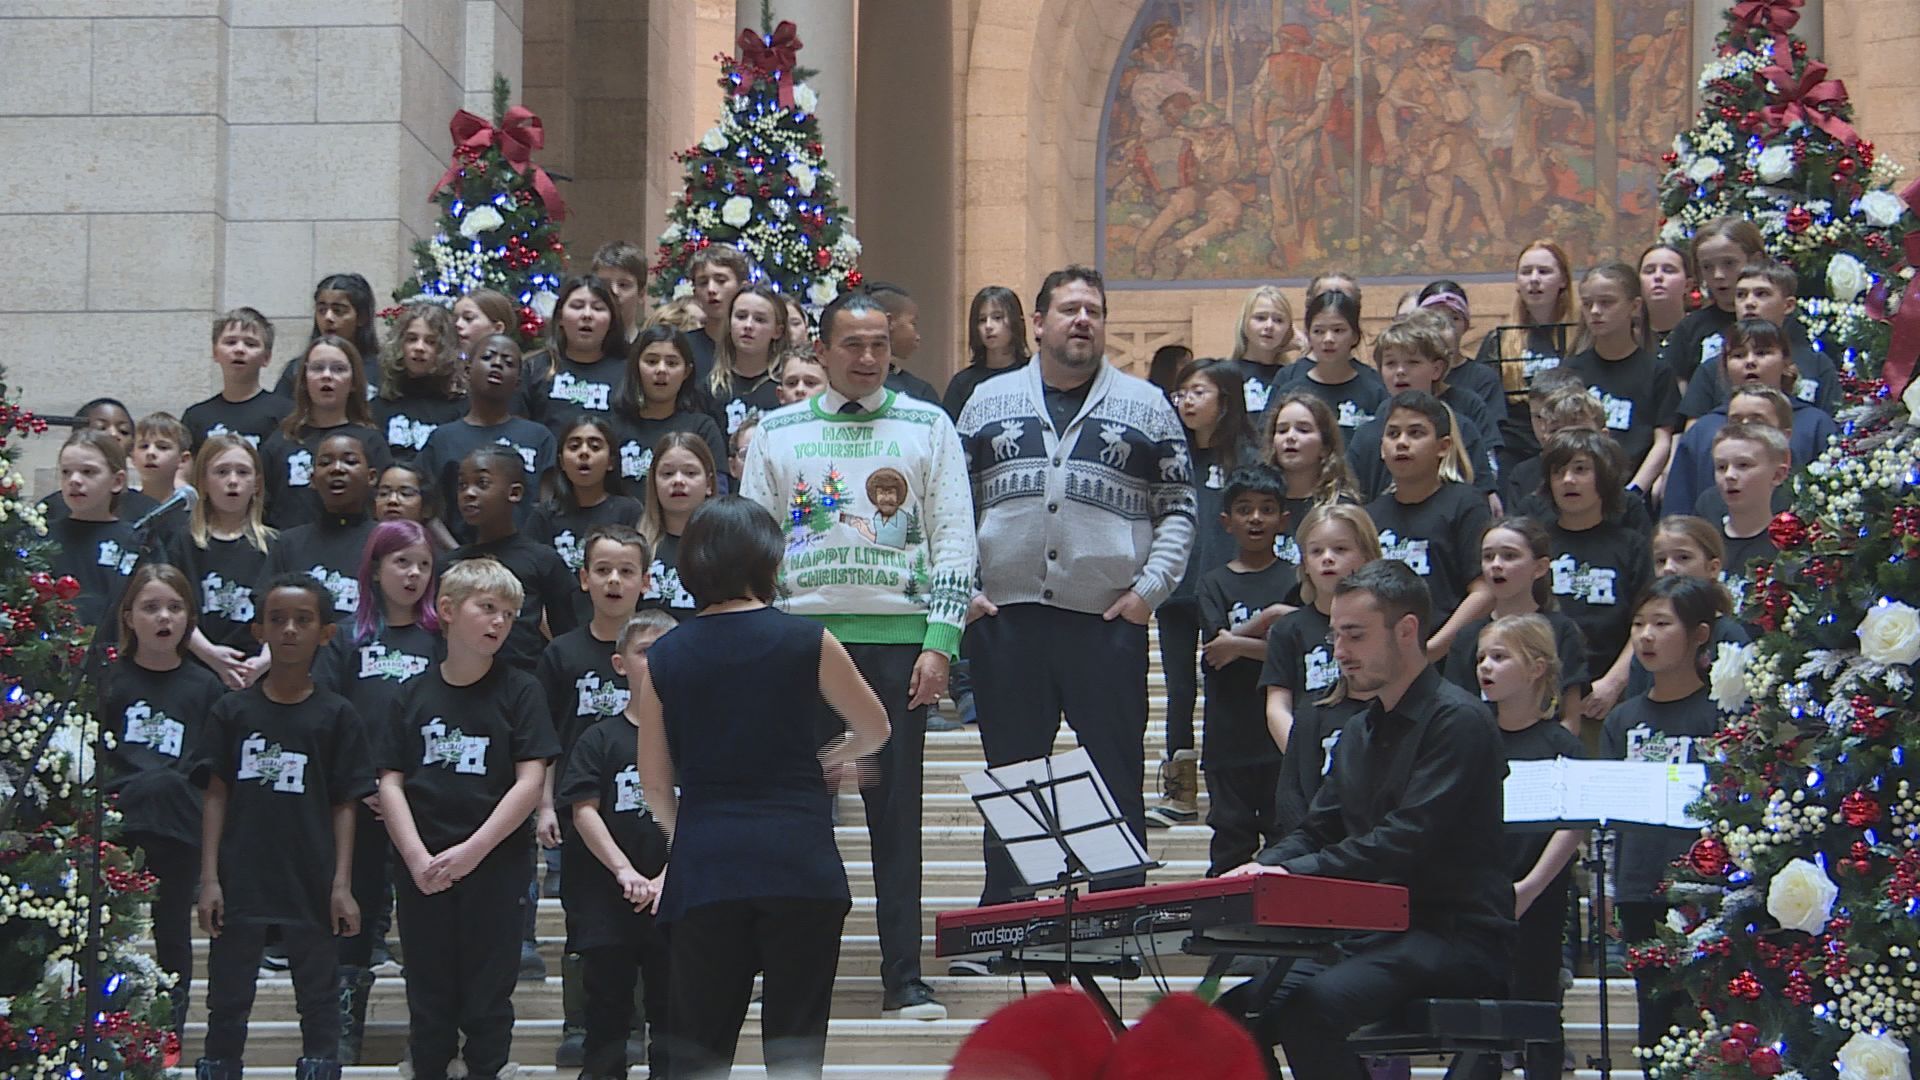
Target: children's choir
{"points": [[377, 619]]}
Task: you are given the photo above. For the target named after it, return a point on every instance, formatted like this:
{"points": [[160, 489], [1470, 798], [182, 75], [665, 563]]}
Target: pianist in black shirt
{"points": [[1414, 799]]}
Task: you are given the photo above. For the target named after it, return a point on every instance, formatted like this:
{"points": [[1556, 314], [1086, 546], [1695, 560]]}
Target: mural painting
{"points": [[1248, 140]]}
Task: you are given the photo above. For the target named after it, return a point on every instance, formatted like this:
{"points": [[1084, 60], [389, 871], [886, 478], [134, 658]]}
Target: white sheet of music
{"points": [[1083, 806], [1624, 792]]}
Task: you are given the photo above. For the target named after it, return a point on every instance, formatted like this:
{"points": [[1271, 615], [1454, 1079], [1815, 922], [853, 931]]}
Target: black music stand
{"points": [[1061, 829]]}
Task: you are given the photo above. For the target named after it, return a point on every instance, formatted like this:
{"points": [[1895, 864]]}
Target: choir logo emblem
{"points": [[1216, 478], [1238, 614], [626, 792], [345, 590], [1327, 745], [379, 662], [1807, 390], [1533, 363], [463, 753], [599, 697], [154, 730], [1411, 552], [116, 558], [588, 395], [1711, 348], [1321, 669], [1646, 744], [299, 469], [1352, 416], [526, 453], [664, 584], [736, 415], [1591, 584], [568, 547], [635, 460], [276, 768], [228, 599], [1286, 549], [222, 429], [1258, 394], [408, 432], [1619, 410]]}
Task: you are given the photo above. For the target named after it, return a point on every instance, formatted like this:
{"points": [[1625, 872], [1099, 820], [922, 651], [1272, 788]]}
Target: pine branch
{"points": [[502, 92], [766, 16]]}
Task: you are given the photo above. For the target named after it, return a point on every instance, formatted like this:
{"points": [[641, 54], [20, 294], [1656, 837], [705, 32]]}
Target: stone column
{"points": [[827, 32]]}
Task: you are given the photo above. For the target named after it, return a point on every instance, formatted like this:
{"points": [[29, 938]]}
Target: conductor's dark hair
{"points": [[731, 550], [852, 302], [295, 579], [1396, 590]]}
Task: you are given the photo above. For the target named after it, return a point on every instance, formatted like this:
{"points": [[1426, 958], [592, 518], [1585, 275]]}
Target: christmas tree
{"points": [[759, 181], [498, 215], [1774, 142], [49, 863], [1794, 929]]}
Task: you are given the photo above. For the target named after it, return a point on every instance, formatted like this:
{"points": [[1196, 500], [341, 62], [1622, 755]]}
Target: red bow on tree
{"points": [[520, 133], [1775, 17], [773, 55], [1811, 99], [1903, 349]]}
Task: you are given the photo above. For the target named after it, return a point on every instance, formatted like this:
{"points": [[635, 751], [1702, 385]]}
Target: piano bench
{"points": [[1452, 1025]]}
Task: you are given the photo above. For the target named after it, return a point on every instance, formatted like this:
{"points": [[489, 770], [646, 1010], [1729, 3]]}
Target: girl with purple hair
{"points": [[392, 637]]}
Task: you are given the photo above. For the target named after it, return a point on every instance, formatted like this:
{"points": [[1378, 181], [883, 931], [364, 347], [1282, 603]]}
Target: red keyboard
{"points": [[1262, 911]]}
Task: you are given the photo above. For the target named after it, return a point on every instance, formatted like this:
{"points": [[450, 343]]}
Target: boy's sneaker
{"points": [[914, 1001], [1179, 791], [969, 968]]}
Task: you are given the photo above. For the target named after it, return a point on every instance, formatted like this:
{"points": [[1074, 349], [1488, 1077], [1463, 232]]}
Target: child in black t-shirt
{"points": [[92, 545], [242, 345], [661, 394], [1241, 761], [330, 546], [1672, 625], [1428, 519], [616, 867], [329, 397], [160, 456], [285, 762], [494, 379], [419, 384], [1413, 354], [1636, 392], [577, 675], [1516, 556], [1518, 671], [156, 704], [223, 552], [1599, 562], [683, 477], [1329, 370], [1335, 540], [462, 761], [1689, 546], [491, 486], [1749, 465], [587, 492]]}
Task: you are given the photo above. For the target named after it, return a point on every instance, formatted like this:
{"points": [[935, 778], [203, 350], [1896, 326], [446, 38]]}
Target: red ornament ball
{"points": [[1846, 165], [822, 258], [1765, 1061], [1746, 1032], [1733, 1051], [1799, 219], [1745, 985], [1859, 810], [1709, 857], [42, 584], [1787, 531], [66, 588]]}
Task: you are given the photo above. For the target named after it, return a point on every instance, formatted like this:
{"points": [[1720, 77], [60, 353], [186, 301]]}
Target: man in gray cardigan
{"points": [[1083, 492]]}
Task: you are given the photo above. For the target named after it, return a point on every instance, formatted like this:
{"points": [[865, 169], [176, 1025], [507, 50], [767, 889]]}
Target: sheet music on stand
{"points": [[1057, 821], [1562, 793]]}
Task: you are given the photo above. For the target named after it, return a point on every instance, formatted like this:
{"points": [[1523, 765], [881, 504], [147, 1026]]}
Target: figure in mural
{"points": [[1245, 138]]}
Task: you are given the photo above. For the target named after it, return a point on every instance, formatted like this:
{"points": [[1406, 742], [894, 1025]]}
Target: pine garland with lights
{"points": [[499, 215], [47, 867], [759, 180], [1774, 142]]}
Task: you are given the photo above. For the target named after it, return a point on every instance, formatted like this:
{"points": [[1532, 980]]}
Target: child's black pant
{"points": [[463, 955], [608, 972], [372, 886], [233, 966], [717, 949], [1241, 813], [177, 866], [1031, 664], [1179, 621]]}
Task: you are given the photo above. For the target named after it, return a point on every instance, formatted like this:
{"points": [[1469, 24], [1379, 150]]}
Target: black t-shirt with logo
{"points": [[157, 719], [1363, 452], [452, 441], [566, 530], [664, 591], [1696, 340], [1596, 574], [371, 674], [329, 551], [1298, 656], [1637, 393], [1742, 552], [1642, 729], [637, 438], [548, 588], [574, 389], [289, 462], [100, 555], [1439, 538], [1353, 402], [410, 419], [286, 767], [456, 747], [602, 768], [225, 574], [1309, 759], [253, 419], [1236, 708], [576, 675]]}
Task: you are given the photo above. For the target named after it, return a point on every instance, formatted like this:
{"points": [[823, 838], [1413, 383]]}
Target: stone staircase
{"points": [[860, 1045]]}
